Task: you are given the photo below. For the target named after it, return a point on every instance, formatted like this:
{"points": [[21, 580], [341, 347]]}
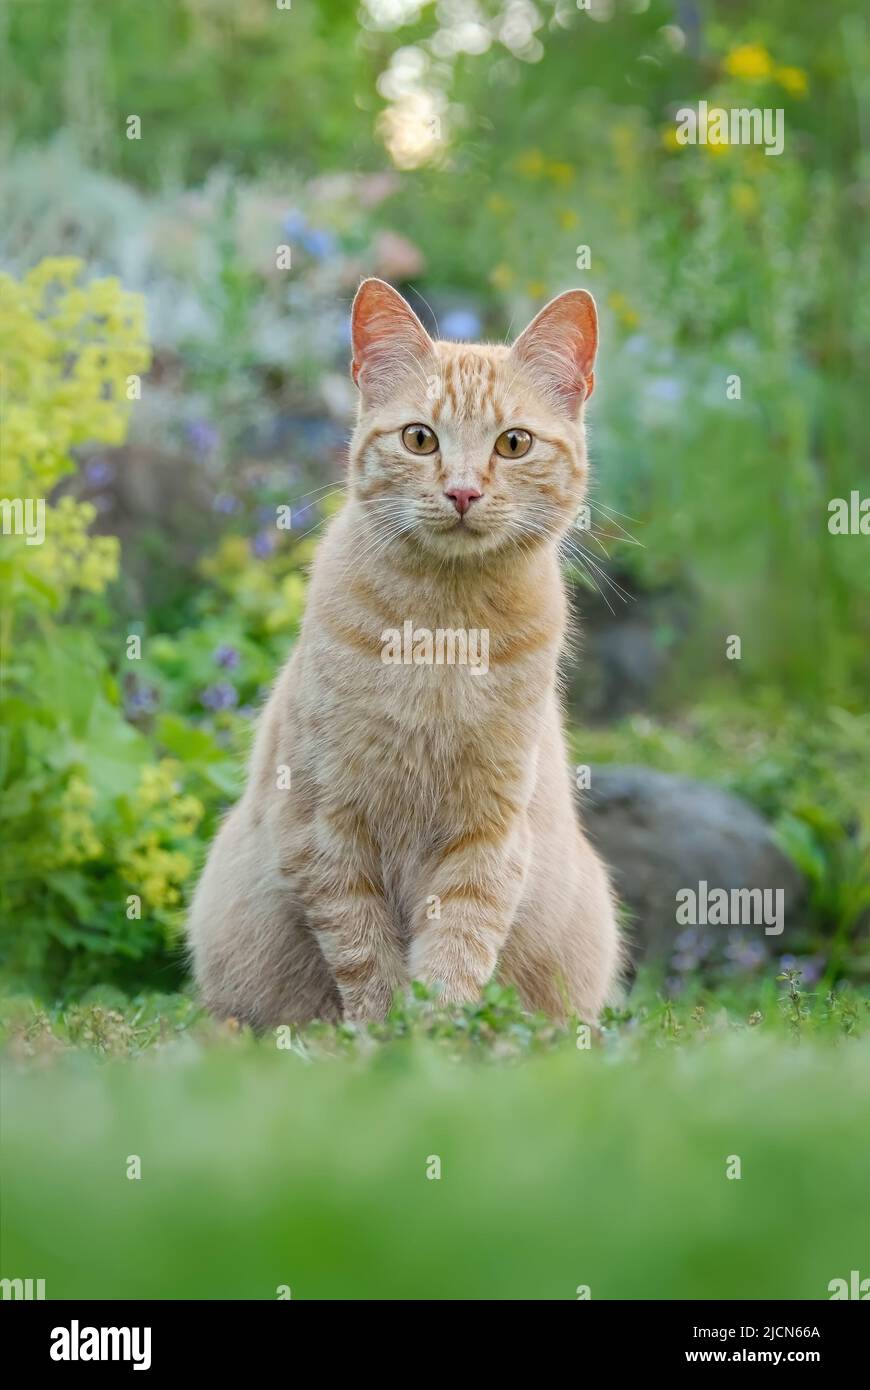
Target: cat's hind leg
{"points": [[254, 957]]}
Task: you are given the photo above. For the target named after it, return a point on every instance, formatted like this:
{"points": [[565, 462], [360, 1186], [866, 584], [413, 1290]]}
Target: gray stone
{"points": [[660, 833]]}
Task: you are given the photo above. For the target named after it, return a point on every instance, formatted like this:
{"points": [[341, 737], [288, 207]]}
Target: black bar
{"points": [[653, 1336]]}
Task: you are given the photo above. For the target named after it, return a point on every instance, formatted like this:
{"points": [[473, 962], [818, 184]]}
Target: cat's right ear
{"points": [[387, 339]]}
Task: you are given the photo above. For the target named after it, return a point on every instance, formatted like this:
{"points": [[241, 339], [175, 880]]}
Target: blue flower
{"points": [[99, 472], [667, 389], [461, 323], [745, 954], [294, 224], [142, 699], [226, 657], [808, 967], [318, 242], [220, 696], [203, 436], [264, 543], [225, 502]]}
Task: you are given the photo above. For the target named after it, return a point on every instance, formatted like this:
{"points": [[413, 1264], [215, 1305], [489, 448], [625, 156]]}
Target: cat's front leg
{"points": [[354, 931], [470, 894], [346, 908]]}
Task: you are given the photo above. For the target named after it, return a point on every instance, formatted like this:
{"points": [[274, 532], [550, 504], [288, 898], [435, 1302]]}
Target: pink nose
{"points": [[462, 498]]}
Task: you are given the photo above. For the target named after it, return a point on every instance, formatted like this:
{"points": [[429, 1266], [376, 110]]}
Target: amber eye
{"points": [[513, 444], [419, 439]]}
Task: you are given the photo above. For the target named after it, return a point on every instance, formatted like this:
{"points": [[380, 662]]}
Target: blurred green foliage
{"points": [[306, 1166], [707, 262], [214, 82]]}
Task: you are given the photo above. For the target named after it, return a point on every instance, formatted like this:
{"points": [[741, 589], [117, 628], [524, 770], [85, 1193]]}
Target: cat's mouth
{"points": [[462, 528], [458, 535]]}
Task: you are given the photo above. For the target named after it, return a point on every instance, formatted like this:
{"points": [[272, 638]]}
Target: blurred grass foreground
{"points": [[192, 190], [711, 1152]]}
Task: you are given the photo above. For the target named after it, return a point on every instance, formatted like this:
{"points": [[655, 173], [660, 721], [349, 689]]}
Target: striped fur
{"points": [[429, 830]]}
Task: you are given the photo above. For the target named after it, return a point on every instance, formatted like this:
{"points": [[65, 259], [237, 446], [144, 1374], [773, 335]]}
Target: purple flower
{"points": [[698, 942], [99, 471], [227, 657], [813, 968], [745, 954], [264, 543], [684, 961], [142, 699], [203, 436], [810, 968], [461, 323], [220, 696], [226, 503], [690, 950]]}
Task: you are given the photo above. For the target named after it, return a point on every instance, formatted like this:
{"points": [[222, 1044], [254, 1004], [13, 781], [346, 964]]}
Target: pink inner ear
{"points": [[558, 349], [387, 338]]}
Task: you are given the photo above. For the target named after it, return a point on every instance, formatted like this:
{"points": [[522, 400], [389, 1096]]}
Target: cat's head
{"points": [[466, 449]]}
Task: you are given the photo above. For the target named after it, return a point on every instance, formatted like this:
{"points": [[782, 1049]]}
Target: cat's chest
{"points": [[420, 738]]}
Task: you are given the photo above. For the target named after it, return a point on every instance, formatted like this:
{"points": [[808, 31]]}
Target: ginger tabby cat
{"points": [[428, 831]]}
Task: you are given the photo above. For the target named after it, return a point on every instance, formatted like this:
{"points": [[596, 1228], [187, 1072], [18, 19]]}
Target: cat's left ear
{"points": [[558, 349], [388, 339]]}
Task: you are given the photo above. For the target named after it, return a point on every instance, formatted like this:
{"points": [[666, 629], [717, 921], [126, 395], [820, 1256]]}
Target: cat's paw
{"points": [[369, 1003]]}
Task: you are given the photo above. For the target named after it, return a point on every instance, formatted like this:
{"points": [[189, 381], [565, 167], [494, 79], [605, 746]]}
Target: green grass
{"points": [[560, 1166]]}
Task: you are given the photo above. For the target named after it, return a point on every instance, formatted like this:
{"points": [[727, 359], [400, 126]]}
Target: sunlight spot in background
{"points": [[392, 14], [415, 84], [412, 126]]}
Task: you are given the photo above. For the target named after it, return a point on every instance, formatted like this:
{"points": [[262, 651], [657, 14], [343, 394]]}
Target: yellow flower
{"points": [[623, 310], [68, 350], [70, 558], [78, 839], [567, 219], [154, 872], [502, 277], [669, 138], [560, 173], [623, 139], [79, 793], [156, 783], [231, 557], [186, 812], [744, 198], [496, 203], [749, 60], [794, 80], [530, 164], [536, 289]]}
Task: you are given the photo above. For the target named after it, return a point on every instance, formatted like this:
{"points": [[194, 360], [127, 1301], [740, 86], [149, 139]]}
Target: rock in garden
{"points": [[662, 835]]}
